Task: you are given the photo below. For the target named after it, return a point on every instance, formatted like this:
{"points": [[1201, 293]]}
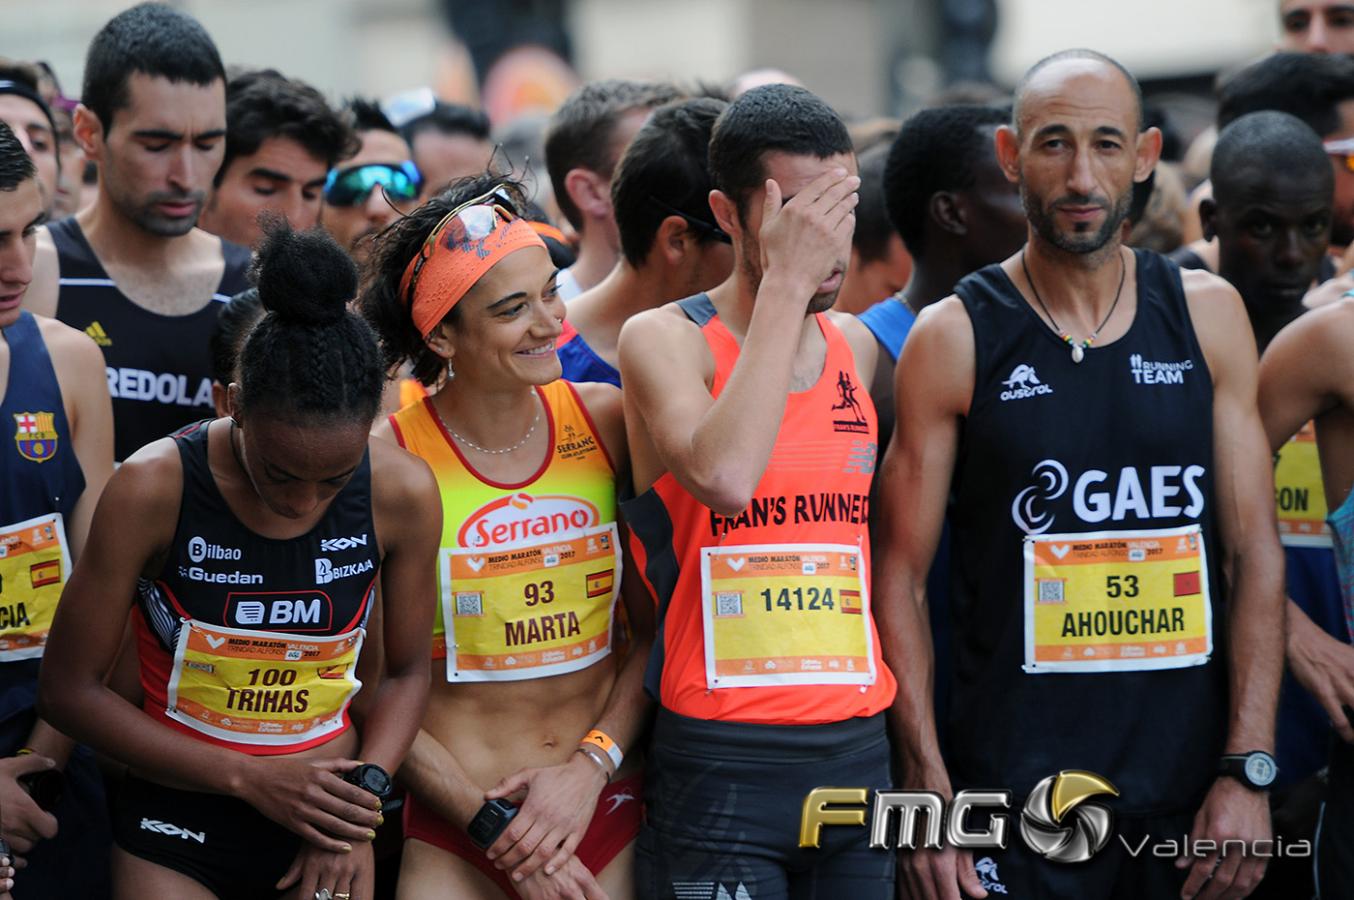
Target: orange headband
{"points": [[459, 257]]}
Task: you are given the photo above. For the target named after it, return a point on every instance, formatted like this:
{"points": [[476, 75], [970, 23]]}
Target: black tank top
{"points": [[158, 367], [220, 573], [1122, 442]]}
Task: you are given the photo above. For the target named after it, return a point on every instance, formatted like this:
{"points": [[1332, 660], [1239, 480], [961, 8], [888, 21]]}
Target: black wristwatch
{"points": [[1256, 770], [489, 822], [371, 778]]}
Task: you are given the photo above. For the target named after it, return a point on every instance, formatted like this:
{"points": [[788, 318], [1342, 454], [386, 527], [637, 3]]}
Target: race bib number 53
{"points": [[785, 614], [1117, 601]]}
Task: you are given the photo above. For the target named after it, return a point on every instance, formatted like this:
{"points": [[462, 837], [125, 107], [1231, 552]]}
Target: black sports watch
{"points": [[490, 822], [1256, 770], [371, 778]]}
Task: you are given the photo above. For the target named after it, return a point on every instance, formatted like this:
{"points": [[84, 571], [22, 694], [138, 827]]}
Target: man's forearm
{"points": [[905, 639], [1256, 635]]}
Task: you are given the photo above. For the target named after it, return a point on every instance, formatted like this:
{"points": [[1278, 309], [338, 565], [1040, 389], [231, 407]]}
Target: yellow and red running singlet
{"points": [[528, 573]]}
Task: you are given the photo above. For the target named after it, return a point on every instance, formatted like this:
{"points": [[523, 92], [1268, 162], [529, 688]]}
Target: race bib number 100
{"points": [[262, 687], [785, 614], [34, 566], [1117, 601]]}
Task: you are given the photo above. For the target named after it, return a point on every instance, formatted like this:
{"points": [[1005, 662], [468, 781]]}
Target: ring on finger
{"points": [[342, 895], [324, 894]]}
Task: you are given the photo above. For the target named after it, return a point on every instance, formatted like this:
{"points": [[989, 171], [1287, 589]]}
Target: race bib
{"points": [[1300, 493], [528, 610], [262, 687], [34, 566], [1117, 601], [785, 614]]}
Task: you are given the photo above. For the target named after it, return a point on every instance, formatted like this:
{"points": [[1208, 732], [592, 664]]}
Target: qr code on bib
{"points": [[1051, 590], [470, 603], [729, 603]]}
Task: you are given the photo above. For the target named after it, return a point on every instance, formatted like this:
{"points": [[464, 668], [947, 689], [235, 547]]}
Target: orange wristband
{"points": [[603, 742]]}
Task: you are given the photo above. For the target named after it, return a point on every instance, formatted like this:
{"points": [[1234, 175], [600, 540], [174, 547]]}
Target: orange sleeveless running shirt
{"points": [[528, 573], [765, 617]]}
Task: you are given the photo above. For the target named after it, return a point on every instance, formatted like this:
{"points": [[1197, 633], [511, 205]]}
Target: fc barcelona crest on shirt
{"points": [[35, 435]]}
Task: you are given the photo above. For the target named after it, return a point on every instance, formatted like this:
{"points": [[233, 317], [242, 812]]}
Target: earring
{"points": [[451, 373]]}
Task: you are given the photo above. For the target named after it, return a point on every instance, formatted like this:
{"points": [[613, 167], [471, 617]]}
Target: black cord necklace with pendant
{"points": [[1078, 350]]}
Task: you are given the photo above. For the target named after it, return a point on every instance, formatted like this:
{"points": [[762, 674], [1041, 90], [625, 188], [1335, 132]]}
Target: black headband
{"points": [[19, 89]]}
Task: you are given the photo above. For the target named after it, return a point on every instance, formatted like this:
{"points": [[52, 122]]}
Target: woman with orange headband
{"points": [[518, 784]]}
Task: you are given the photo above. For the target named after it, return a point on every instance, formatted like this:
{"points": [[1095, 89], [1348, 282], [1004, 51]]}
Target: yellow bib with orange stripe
{"points": [[528, 573]]}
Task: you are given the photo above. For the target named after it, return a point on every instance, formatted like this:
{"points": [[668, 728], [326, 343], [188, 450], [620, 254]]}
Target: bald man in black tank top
{"points": [[132, 271], [1118, 595]]}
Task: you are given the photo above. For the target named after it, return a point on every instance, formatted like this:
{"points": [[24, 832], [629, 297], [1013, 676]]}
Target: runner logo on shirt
{"points": [[35, 435], [852, 418]]}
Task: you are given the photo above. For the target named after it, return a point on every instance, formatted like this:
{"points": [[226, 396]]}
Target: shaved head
{"points": [[1034, 79]]}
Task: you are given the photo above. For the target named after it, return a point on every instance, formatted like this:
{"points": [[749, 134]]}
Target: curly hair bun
{"points": [[304, 277]]}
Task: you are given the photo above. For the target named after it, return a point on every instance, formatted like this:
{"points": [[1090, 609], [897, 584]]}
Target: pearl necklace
{"points": [[474, 446], [1078, 352]]}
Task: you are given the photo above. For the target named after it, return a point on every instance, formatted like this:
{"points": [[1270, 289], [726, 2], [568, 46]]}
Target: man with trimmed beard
{"points": [[1117, 593], [132, 270]]}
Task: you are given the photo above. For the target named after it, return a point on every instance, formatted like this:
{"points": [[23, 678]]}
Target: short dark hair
{"points": [[385, 306], [1077, 53], [264, 104], [309, 356], [448, 118], [769, 119], [936, 150], [362, 114], [873, 228], [1307, 85], [1263, 144], [15, 165], [581, 132], [666, 168], [152, 39]]}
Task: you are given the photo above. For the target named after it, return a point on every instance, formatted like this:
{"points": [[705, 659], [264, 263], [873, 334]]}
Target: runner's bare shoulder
{"points": [[663, 342]]}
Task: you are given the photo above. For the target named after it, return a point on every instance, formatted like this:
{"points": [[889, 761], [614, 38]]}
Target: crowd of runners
{"points": [[380, 521]]}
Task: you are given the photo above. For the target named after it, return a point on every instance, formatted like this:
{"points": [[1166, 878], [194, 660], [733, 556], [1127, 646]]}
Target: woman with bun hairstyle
{"points": [[252, 546], [519, 780]]}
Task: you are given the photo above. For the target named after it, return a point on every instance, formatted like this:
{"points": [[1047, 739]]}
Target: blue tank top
{"points": [[1342, 535], [38, 468], [1089, 615], [39, 475], [890, 320], [580, 363]]}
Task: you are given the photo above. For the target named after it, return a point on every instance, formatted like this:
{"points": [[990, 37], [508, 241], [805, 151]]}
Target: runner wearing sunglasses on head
{"points": [[253, 546], [527, 695]]}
